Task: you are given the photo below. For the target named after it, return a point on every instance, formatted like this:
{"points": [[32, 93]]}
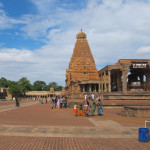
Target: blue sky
{"points": [[37, 37]]}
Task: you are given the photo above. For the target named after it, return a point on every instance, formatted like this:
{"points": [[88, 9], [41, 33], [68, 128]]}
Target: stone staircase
{"points": [[125, 96]]}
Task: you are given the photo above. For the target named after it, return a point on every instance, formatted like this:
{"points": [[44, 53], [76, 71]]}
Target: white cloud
{"points": [[115, 30], [15, 55], [144, 50], [37, 26], [44, 6], [8, 22]]}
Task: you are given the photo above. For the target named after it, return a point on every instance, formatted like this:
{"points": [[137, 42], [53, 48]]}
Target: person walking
{"points": [[52, 103], [17, 102], [93, 107], [100, 108], [46, 100], [65, 102], [58, 102], [55, 101], [61, 102]]}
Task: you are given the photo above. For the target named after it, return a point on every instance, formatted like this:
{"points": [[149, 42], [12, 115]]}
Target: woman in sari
{"points": [[100, 108]]}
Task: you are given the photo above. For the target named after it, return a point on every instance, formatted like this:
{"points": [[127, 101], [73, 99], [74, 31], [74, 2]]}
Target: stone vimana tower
{"points": [[82, 75]]}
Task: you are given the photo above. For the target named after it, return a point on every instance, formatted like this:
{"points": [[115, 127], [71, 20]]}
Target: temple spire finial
{"points": [[81, 29]]}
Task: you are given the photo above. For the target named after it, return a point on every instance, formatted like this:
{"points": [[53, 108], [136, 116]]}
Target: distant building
{"points": [[3, 93], [45, 94]]}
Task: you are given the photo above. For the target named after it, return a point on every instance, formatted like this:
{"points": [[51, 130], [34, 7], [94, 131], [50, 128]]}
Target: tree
{"points": [[10, 82], [59, 88], [15, 90], [38, 85], [25, 85], [3, 82], [53, 85]]}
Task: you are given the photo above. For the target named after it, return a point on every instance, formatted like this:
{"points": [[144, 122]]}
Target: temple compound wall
{"points": [[45, 94], [82, 75], [127, 75]]}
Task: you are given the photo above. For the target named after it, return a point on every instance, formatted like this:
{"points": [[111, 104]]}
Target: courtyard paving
{"points": [[37, 126]]}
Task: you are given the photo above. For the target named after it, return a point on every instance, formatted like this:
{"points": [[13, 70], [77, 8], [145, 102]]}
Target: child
{"points": [[75, 109], [81, 110]]}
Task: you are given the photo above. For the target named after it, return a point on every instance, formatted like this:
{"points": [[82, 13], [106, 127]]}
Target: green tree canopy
{"points": [[25, 85], [53, 85], [59, 88], [38, 86], [15, 90], [3, 82]]}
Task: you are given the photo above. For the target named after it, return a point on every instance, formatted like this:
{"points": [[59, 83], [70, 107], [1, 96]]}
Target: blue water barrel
{"points": [[143, 134]]}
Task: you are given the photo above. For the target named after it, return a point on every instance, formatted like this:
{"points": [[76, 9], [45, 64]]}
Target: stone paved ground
{"points": [[59, 143], [6, 103], [38, 127], [126, 102]]}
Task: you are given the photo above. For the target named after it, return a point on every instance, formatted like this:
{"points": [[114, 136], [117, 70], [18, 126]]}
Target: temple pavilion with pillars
{"points": [[127, 75], [82, 75]]}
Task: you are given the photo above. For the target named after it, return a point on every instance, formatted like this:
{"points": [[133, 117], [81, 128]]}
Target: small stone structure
{"points": [[136, 111]]}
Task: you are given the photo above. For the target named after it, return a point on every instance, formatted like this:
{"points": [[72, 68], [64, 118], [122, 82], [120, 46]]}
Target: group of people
{"points": [[88, 108], [89, 96], [58, 102]]}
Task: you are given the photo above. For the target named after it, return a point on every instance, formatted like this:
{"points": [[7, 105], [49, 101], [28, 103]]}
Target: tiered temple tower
{"points": [[82, 75]]}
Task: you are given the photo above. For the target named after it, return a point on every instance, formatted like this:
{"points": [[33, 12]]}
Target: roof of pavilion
{"points": [[122, 63], [43, 93]]}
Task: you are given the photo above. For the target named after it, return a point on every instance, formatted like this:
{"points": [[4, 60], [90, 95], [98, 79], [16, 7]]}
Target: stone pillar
{"points": [[147, 81], [83, 88], [102, 83], [105, 87], [119, 81], [124, 78], [95, 88], [90, 88], [109, 80], [99, 89]]}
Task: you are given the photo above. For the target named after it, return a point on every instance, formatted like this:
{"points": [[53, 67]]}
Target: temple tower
{"points": [[82, 75]]}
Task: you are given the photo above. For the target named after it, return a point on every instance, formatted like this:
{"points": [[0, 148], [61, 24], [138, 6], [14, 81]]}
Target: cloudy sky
{"points": [[37, 37]]}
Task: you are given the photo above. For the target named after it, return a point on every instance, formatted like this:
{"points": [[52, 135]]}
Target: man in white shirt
{"points": [[85, 97], [92, 95]]}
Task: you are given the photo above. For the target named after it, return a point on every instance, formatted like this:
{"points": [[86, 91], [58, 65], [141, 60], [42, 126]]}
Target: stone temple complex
{"points": [[126, 79], [82, 75]]}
